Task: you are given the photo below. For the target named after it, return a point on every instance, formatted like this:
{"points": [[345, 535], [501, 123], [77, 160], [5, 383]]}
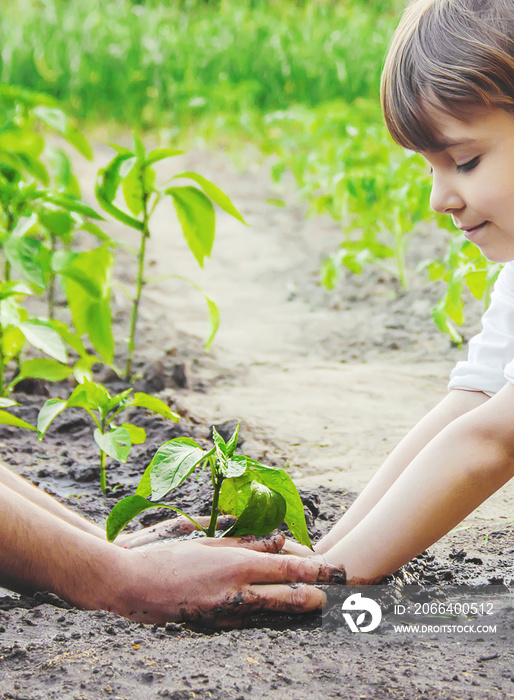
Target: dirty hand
{"points": [[168, 529], [218, 582]]}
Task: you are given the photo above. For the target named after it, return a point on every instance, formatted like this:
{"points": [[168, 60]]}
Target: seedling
{"points": [[259, 496], [132, 171], [18, 329], [113, 440]]}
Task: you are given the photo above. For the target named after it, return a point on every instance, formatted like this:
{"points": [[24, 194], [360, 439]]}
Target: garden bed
{"points": [[324, 384]]}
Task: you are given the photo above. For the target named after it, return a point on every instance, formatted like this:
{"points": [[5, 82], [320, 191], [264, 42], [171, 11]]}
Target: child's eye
{"points": [[466, 167]]}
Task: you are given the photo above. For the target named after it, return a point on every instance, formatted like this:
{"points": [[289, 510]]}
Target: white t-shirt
{"points": [[490, 362]]}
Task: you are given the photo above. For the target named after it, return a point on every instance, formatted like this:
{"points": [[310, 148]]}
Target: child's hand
{"points": [[299, 550]]}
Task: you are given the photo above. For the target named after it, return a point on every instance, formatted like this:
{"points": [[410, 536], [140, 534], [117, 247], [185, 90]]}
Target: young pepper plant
{"points": [[18, 329], [259, 496], [113, 440], [133, 172]]}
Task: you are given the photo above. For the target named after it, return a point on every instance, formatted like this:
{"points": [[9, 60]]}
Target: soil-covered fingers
{"points": [[235, 609], [270, 568]]}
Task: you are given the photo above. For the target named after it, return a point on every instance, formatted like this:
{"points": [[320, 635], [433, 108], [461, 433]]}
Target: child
{"points": [[448, 92]]}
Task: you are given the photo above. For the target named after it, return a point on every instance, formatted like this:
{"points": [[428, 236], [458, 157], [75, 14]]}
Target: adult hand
{"points": [[168, 529], [219, 582]]}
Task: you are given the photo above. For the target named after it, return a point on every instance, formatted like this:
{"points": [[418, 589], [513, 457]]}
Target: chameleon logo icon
{"points": [[357, 603]]}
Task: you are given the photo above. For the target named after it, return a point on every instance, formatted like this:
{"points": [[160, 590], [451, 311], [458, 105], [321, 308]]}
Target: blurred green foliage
{"points": [[299, 79], [144, 63]]}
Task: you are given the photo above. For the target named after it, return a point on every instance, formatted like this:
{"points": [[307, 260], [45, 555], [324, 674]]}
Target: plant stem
{"points": [[211, 530], [2, 363], [145, 233], [103, 476], [51, 283]]}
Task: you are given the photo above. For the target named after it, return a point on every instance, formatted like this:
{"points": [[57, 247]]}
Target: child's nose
{"points": [[445, 198]]}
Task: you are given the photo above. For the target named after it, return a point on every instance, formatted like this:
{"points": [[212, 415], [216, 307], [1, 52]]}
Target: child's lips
{"points": [[471, 231]]}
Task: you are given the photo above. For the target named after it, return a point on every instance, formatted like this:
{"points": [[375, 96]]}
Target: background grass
{"points": [[150, 63]]}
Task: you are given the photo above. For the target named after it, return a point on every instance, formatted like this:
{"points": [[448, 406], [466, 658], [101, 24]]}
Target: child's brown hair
{"points": [[454, 55]]}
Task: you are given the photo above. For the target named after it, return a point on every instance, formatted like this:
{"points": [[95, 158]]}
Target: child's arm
{"points": [[455, 404], [459, 468]]}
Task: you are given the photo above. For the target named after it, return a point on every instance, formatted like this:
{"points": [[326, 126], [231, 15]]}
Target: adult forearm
{"points": [[461, 467], [455, 404], [43, 500], [39, 551]]}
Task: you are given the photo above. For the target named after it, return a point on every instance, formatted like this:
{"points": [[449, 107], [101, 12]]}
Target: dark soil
{"points": [[49, 650]]}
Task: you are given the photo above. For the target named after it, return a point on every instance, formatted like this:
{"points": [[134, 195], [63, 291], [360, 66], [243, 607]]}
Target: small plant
{"points": [[259, 496], [133, 172], [17, 330], [113, 440]]}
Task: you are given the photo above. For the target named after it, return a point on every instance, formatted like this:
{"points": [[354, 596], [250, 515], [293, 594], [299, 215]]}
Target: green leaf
{"points": [[116, 443], [20, 140], [121, 400], [97, 232], [71, 204], [123, 512], [232, 443], [109, 179], [152, 403], [214, 192], [79, 142], [92, 314], [139, 147], [98, 321], [53, 117], [197, 219], [214, 319], [8, 419], [137, 434], [48, 412], [234, 493], [126, 510], [221, 451], [59, 223], [144, 487], [41, 368], [264, 512], [132, 190], [13, 341], [10, 289], [477, 283], [82, 369], [30, 258], [43, 337], [90, 395], [173, 462], [160, 154], [69, 337], [7, 403]]}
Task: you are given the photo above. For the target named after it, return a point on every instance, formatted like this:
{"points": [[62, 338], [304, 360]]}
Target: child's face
{"points": [[473, 178]]}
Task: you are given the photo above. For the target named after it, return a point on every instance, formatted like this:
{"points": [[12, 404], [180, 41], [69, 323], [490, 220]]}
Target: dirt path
{"points": [[334, 379]]}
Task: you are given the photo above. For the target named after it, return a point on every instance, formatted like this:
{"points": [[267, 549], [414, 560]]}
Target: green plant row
{"points": [[147, 64], [40, 214], [297, 79]]}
